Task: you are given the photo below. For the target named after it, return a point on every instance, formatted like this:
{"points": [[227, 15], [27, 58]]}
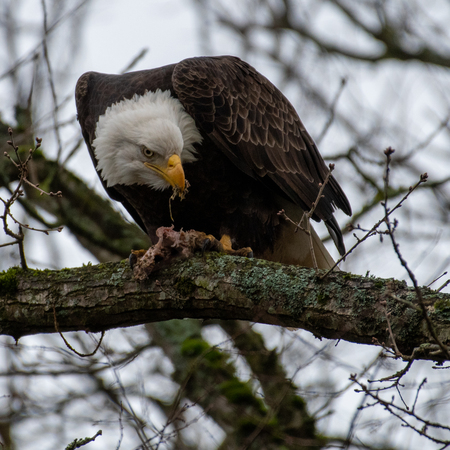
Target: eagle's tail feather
{"points": [[294, 248]]}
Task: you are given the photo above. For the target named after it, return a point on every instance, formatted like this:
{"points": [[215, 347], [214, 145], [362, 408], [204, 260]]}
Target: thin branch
{"points": [[35, 50], [135, 60], [307, 215], [400, 412], [22, 168], [332, 111], [373, 230], [388, 152], [83, 355], [51, 80], [391, 334]]}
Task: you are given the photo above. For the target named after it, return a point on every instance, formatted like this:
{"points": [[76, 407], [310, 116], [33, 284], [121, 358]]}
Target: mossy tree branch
{"points": [[341, 306]]}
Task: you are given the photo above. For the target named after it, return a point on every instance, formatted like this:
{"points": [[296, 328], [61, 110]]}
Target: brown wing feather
{"points": [[257, 127]]}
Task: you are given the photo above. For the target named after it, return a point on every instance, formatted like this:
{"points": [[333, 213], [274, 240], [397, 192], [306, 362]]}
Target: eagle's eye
{"points": [[147, 152]]}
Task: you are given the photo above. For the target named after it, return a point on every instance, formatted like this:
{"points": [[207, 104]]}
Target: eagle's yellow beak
{"points": [[173, 173]]}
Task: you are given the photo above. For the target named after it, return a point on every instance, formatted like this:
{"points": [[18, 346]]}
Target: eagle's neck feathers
{"points": [[156, 121]]}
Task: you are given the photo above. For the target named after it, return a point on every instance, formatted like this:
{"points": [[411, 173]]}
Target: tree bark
{"points": [[339, 306]]}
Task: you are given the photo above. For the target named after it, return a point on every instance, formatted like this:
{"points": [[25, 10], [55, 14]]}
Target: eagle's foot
{"points": [[211, 244], [178, 244], [208, 243]]}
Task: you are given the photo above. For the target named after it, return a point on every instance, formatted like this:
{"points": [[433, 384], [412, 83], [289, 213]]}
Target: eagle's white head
{"points": [[146, 140]]}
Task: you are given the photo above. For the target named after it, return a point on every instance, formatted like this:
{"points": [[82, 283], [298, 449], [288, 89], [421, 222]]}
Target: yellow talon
{"points": [[226, 242]]}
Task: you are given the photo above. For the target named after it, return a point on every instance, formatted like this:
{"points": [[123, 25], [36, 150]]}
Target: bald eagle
{"points": [[226, 129]]}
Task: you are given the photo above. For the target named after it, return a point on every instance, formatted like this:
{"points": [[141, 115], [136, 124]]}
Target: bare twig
{"points": [[83, 355], [443, 286], [438, 278], [77, 443], [22, 168], [135, 60], [306, 216], [391, 334], [423, 426], [398, 375], [388, 152], [51, 79], [384, 219], [332, 111]]}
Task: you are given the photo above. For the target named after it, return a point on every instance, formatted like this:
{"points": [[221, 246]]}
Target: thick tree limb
{"points": [[342, 306]]}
